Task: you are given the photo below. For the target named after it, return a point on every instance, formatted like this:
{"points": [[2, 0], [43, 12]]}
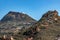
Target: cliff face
{"points": [[47, 28]]}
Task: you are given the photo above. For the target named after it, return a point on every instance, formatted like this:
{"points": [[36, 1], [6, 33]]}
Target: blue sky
{"points": [[34, 8]]}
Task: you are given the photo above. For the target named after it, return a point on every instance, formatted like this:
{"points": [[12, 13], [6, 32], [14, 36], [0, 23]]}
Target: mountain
{"points": [[47, 28], [0, 22], [16, 16], [13, 22]]}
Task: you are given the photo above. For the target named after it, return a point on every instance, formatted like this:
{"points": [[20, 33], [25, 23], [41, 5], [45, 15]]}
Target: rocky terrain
{"points": [[47, 28], [16, 16], [13, 22]]}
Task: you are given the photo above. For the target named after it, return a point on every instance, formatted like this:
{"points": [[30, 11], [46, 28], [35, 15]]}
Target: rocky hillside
{"points": [[47, 28], [14, 21], [16, 16]]}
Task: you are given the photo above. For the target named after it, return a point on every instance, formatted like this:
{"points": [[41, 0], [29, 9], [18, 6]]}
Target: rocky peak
{"points": [[50, 14], [16, 16], [13, 22]]}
